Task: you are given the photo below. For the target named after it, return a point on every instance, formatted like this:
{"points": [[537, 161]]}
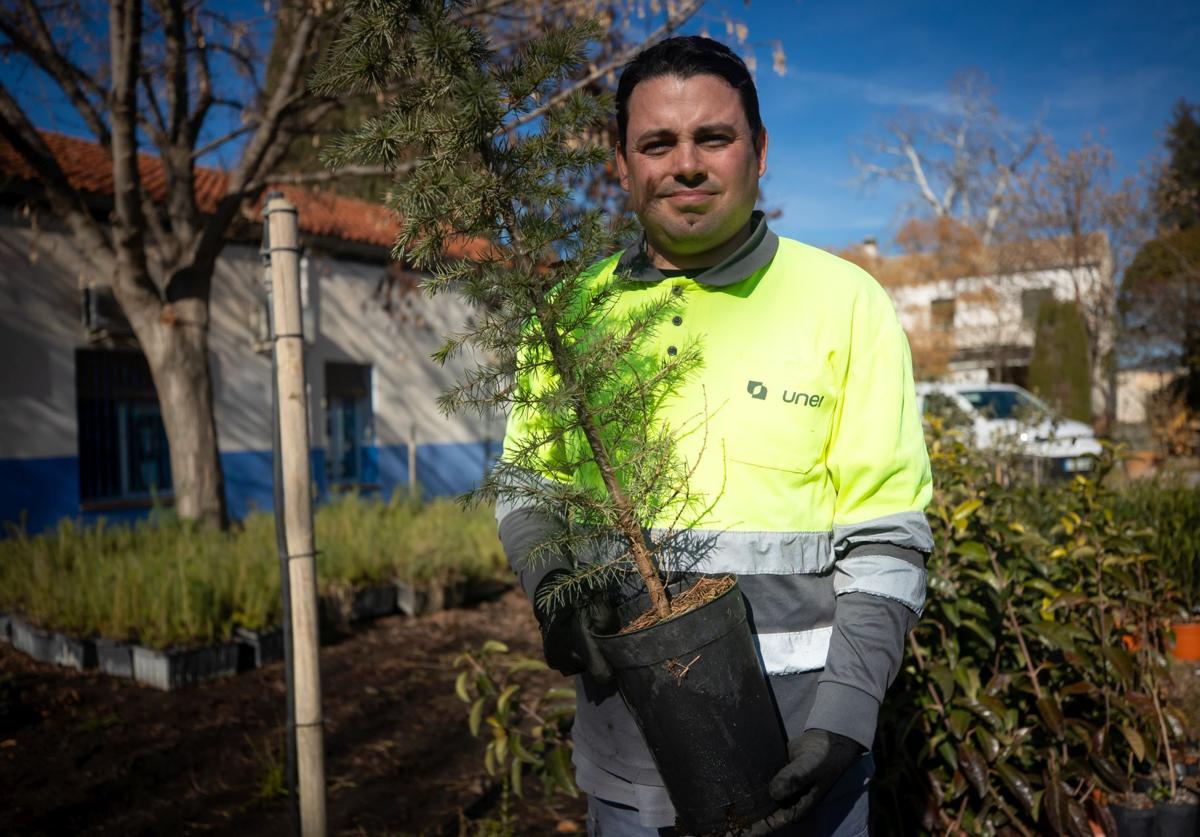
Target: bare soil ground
{"points": [[83, 753]]}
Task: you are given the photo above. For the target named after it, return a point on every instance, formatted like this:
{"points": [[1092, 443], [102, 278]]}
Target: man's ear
{"points": [[761, 149], [622, 167]]}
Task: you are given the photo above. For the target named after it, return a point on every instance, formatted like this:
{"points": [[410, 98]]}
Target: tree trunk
{"points": [[177, 353]]}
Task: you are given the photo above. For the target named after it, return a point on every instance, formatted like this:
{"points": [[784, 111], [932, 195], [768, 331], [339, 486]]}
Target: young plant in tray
{"points": [[499, 156]]}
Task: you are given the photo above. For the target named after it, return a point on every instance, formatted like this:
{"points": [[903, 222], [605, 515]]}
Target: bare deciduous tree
{"points": [[964, 163]]}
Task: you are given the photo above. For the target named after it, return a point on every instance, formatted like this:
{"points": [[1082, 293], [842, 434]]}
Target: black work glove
{"points": [[567, 641], [816, 760]]}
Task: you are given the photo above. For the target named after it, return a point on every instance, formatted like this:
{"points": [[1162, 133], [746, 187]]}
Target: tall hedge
{"points": [[1058, 371]]}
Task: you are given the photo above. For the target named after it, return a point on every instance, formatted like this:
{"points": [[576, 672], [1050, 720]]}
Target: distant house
{"points": [[80, 429], [971, 316]]}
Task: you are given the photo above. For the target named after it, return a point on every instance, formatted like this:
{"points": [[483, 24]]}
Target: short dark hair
{"points": [[687, 56]]}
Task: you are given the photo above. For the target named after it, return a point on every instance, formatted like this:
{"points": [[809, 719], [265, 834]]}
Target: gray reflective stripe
{"points": [[909, 529], [748, 553], [794, 652], [882, 575]]}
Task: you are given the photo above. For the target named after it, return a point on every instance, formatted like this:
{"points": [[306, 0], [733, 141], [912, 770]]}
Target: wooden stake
{"points": [[297, 511]]}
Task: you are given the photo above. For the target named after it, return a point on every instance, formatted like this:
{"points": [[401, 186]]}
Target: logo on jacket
{"points": [[758, 390]]}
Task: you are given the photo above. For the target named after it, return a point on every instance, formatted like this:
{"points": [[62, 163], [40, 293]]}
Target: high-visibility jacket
{"points": [[812, 457]]}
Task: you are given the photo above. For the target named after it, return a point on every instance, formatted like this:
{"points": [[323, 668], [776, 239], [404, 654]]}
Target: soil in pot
{"points": [[1187, 641], [700, 697]]}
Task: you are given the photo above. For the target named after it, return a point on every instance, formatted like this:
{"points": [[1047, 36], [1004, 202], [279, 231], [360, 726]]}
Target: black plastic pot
{"points": [[1176, 819], [33, 641], [258, 648], [700, 697], [409, 600], [114, 657], [79, 654], [174, 669], [1133, 822], [373, 602]]}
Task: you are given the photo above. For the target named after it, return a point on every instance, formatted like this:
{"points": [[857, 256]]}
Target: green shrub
{"points": [[1170, 514], [164, 584], [1037, 673], [1058, 370]]}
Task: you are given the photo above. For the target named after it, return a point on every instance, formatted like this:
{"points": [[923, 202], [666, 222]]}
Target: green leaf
{"points": [[506, 696], [983, 633], [1018, 784], [460, 686], [987, 743], [558, 694], [1136, 742], [476, 716], [514, 777], [1051, 713], [493, 646], [560, 770], [944, 678], [1108, 773], [519, 751], [966, 509], [1056, 799], [527, 664], [1120, 661], [974, 767]]}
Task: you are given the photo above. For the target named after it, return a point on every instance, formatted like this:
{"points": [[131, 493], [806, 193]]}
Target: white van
{"points": [[1006, 414]]}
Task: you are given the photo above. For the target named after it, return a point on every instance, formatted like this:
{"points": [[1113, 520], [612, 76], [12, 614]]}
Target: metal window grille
{"points": [[123, 453], [349, 424]]}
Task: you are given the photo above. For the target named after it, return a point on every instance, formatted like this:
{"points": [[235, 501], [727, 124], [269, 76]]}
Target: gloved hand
{"points": [[816, 760], [567, 641]]}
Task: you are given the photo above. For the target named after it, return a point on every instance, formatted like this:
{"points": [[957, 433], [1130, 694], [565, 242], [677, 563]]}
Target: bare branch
{"points": [[38, 44], [205, 98], [670, 25], [219, 141]]}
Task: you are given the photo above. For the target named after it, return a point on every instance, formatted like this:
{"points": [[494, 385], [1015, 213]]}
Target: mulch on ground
{"points": [[84, 753]]}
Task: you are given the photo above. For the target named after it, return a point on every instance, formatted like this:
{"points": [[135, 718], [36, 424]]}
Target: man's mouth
{"points": [[688, 196]]}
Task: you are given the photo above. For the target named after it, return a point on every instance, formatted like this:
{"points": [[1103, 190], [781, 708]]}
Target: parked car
{"points": [[998, 415]]}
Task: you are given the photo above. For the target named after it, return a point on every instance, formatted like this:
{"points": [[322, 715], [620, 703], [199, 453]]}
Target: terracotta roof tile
{"points": [[89, 169]]}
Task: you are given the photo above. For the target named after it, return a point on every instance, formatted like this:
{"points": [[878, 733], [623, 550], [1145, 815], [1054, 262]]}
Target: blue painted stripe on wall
{"points": [[41, 492]]}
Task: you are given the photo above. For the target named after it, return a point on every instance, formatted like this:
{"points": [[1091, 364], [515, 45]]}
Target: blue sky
{"points": [[1109, 70], [1100, 69]]}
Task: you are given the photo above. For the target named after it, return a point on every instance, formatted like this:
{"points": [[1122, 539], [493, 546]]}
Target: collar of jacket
{"points": [[755, 254]]}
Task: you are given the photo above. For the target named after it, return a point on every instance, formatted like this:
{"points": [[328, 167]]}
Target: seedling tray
{"points": [[176, 668]]}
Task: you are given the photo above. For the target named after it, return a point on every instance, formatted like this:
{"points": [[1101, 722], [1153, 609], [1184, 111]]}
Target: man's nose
{"points": [[689, 167]]}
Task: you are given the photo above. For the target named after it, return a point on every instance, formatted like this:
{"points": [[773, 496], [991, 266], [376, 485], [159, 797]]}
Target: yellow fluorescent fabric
{"points": [[802, 415]]}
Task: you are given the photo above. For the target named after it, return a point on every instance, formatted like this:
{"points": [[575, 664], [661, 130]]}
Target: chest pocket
{"points": [[781, 416]]}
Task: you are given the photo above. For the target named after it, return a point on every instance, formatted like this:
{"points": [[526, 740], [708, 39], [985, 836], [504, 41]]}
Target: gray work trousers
{"points": [[843, 813]]}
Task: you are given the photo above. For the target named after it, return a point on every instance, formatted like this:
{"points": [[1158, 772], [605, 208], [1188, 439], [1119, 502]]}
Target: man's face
{"points": [[690, 167]]}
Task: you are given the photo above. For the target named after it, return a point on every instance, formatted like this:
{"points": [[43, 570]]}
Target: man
{"points": [[815, 456]]}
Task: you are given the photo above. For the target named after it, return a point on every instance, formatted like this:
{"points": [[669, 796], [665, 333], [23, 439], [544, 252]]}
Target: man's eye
{"points": [[655, 147], [714, 142]]}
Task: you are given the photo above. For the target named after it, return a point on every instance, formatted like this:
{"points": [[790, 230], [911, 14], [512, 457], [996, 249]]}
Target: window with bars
{"points": [[123, 453], [348, 424]]}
